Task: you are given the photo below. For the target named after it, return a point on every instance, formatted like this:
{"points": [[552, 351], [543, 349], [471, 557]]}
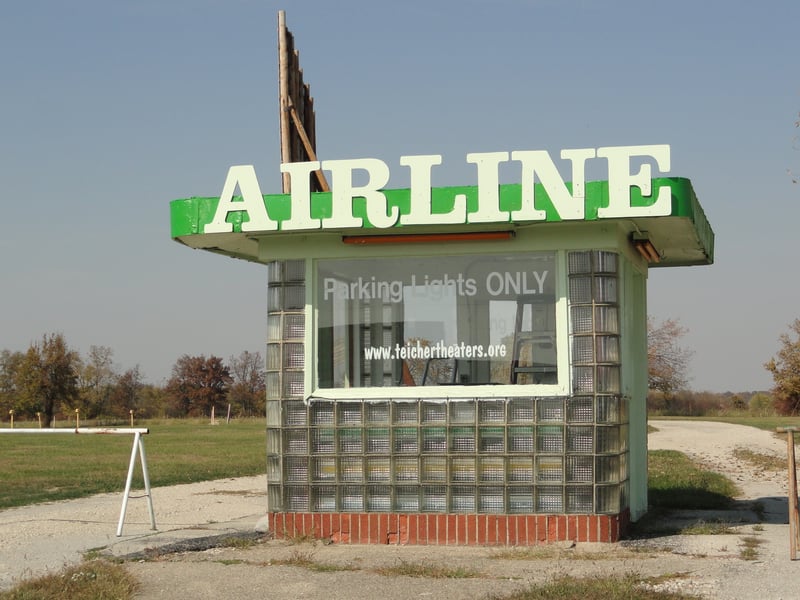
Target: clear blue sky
{"points": [[110, 109]]}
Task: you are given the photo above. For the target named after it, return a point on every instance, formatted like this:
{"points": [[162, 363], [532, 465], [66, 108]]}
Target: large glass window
{"points": [[443, 320]]}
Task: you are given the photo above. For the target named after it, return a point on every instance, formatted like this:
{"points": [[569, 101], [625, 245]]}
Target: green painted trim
{"points": [[189, 216]]}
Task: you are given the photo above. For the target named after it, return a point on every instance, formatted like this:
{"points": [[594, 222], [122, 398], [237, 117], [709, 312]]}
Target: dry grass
{"points": [[92, 580]]}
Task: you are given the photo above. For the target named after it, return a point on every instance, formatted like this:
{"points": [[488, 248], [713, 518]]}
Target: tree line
{"points": [[50, 381]]}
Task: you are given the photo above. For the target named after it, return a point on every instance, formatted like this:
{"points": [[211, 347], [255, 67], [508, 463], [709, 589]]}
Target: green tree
{"points": [[125, 394], [47, 377], [9, 365], [247, 393], [198, 384], [667, 360], [785, 369]]}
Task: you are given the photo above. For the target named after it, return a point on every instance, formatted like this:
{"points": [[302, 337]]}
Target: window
{"points": [[441, 320]]}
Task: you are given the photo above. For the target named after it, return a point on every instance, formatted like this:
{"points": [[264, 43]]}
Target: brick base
{"points": [[450, 529]]}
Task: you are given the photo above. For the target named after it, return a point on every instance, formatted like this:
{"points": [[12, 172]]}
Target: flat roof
{"points": [[682, 238]]}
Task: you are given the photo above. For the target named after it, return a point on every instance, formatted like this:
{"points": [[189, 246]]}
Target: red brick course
{"points": [[450, 529]]}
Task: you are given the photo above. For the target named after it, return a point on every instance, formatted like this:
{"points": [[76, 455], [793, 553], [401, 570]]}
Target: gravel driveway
{"points": [[48, 536]]}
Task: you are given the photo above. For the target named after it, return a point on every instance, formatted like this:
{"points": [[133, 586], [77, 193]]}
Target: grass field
{"points": [[39, 468]]}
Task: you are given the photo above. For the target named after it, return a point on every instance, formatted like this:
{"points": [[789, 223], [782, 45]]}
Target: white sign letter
{"points": [[420, 194], [300, 173], [488, 187], [568, 206], [344, 191], [620, 181], [252, 203]]}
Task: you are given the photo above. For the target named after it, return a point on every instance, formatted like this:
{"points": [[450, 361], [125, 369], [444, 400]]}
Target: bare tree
{"points": [[667, 360], [247, 394]]}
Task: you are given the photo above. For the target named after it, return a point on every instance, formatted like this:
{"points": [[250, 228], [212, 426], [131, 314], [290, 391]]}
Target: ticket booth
{"points": [[463, 365]]}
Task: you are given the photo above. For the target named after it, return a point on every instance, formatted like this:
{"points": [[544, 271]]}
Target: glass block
{"points": [[294, 270], [323, 498], [322, 441], [295, 441], [606, 319], [274, 413], [604, 262], [492, 411], [273, 357], [549, 469], [462, 499], [273, 382], [580, 469], [351, 498], [378, 469], [607, 469], [623, 467], [606, 289], [607, 409], [462, 470], [607, 499], [607, 348], [434, 469], [378, 440], [293, 384], [406, 498], [491, 469], [294, 297], [491, 439], [580, 409], [580, 290], [275, 272], [550, 439], [293, 356], [582, 349], [624, 403], [294, 413], [434, 412], [434, 498], [462, 439], [405, 440], [581, 319], [350, 441], [297, 498], [550, 409], [549, 499], [404, 412], [520, 469], [579, 499], [274, 471], [623, 438], [579, 262], [607, 440], [351, 469], [379, 498], [323, 468], [580, 439], [274, 498], [275, 298], [349, 413], [607, 378], [491, 499], [405, 468], [434, 439], [293, 326], [520, 439], [274, 328], [377, 412], [582, 379], [521, 410], [274, 437], [296, 468], [520, 500], [322, 413], [462, 411]]}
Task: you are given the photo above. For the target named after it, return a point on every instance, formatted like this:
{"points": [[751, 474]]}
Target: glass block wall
{"points": [[513, 455]]}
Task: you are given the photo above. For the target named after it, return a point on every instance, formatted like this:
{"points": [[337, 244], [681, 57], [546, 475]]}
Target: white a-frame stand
{"points": [[138, 447]]}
